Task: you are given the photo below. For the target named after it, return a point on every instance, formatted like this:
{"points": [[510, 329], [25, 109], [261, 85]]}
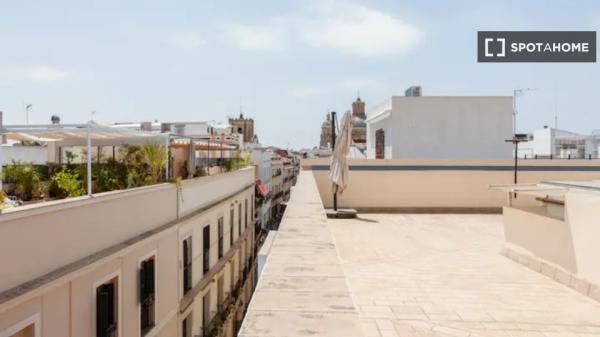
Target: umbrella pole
{"points": [[332, 149]]}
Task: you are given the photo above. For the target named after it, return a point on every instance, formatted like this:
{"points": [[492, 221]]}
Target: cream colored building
{"points": [[276, 186], [162, 260]]}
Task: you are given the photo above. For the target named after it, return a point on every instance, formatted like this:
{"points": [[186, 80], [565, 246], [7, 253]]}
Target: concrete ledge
{"points": [[432, 210], [552, 271]]}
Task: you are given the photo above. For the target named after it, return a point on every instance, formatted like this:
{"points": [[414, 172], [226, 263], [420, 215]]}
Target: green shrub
{"points": [[133, 158], [155, 156], [26, 179], [199, 171], [68, 183], [110, 176], [70, 156]]}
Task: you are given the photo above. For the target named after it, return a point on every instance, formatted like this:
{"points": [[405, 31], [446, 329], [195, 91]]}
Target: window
{"points": [[186, 326], [231, 271], [380, 144], [187, 264], [106, 309], [28, 331], [206, 249], [246, 213], [220, 224], [147, 295], [220, 295], [206, 313], [239, 219], [240, 262], [30, 327], [231, 227]]}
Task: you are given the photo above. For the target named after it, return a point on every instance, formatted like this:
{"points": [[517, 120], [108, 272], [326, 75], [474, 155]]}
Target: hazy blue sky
{"points": [[290, 61]]}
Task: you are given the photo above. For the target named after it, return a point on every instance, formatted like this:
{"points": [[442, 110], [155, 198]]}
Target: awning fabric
{"points": [[262, 188]]}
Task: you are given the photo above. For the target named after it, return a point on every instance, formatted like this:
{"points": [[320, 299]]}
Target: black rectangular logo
{"points": [[566, 46]]}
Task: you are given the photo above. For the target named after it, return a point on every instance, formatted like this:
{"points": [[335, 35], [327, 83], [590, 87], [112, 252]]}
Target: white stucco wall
{"points": [[582, 210], [541, 144], [35, 154], [440, 127]]}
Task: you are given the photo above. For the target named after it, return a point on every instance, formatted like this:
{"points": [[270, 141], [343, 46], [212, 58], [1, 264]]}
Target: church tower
{"points": [[243, 126], [358, 109]]}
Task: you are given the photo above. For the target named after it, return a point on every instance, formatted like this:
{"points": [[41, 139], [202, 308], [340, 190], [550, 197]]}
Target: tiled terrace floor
{"points": [[442, 275]]}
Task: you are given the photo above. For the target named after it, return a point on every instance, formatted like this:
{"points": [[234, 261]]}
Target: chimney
{"points": [[2, 136]]}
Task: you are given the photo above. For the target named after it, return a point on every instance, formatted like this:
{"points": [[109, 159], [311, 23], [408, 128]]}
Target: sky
{"points": [[286, 62]]}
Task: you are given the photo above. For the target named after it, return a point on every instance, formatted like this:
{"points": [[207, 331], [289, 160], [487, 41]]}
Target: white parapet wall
{"points": [[46, 236], [444, 185]]}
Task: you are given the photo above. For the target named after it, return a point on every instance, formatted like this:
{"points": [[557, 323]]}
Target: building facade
{"points": [[560, 144], [276, 191], [440, 127], [261, 158], [163, 260]]}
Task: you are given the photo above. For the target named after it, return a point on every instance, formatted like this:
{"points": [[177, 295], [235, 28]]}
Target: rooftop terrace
{"points": [[404, 275]]}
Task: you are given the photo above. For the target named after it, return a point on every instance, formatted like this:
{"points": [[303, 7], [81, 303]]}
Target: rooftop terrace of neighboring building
{"points": [[404, 275]]}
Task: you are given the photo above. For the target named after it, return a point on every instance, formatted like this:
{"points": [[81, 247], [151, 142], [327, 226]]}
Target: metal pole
{"points": [[516, 158], [89, 158], [332, 149], [208, 159], [168, 157], [514, 112]]}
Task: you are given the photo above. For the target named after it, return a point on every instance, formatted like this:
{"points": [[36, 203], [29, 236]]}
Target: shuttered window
{"points": [[147, 295], [231, 215], [220, 232], [240, 219], [206, 249], [106, 322], [187, 265]]}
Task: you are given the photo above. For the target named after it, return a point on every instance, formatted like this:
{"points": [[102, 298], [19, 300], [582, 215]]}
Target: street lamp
{"points": [[516, 139], [516, 93], [27, 110]]}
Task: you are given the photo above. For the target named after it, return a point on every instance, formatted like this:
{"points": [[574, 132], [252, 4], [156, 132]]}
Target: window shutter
{"points": [[104, 310], [149, 277], [143, 292]]}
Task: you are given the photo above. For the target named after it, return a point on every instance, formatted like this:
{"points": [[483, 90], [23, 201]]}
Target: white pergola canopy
{"points": [[74, 133]]}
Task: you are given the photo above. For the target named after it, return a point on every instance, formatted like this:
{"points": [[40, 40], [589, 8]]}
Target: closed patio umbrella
{"points": [[338, 174]]}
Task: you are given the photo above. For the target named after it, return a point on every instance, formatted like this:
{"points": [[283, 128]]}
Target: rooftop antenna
{"points": [[241, 108], [555, 107], [357, 93]]}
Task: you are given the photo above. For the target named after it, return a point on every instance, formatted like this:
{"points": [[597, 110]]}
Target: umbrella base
{"points": [[341, 213]]}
